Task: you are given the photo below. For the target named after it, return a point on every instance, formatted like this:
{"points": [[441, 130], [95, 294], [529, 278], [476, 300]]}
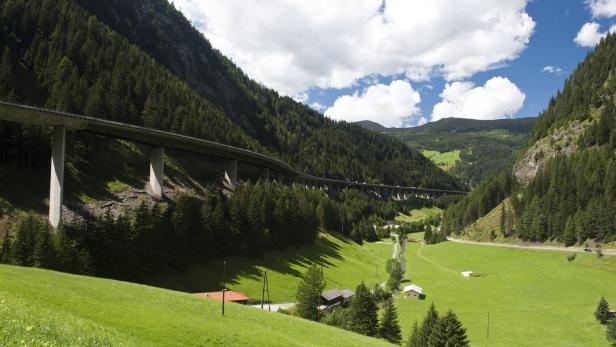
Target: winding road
{"points": [[535, 247]]}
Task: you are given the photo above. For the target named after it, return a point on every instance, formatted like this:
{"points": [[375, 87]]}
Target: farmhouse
{"points": [[335, 297], [413, 291], [230, 296]]}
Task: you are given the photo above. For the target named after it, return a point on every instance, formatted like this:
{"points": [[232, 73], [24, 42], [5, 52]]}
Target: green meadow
{"points": [[531, 297], [445, 160], [419, 214], [344, 262], [46, 308]]}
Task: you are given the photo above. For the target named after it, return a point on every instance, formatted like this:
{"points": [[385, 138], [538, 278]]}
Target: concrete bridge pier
{"points": [[56, 184], [230, 181], [157, 173]]}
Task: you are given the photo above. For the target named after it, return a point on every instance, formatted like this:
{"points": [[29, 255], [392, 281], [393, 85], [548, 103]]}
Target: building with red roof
{"points": [[230, 296]]}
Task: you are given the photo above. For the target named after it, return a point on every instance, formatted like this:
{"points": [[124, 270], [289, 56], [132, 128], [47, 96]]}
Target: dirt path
{"points": [[442, 267], [541, 248]]}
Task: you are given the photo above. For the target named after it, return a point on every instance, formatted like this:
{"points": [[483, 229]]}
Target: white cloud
{"points": [[318, 106], [602, 8], [389, 105], [292, 45], [498, 98], [553, 69], [589, 35]]}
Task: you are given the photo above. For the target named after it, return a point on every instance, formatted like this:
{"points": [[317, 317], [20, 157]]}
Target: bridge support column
{"points": [[265, 174], [56, 183], [231, 175], [157, 173]]}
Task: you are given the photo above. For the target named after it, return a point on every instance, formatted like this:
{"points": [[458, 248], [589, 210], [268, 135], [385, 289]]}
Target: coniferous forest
{"points": [[57, 55], [572, 199]]}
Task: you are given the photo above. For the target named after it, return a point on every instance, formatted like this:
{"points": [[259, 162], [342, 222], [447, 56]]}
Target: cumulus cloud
{"points": [[553, 70], [318, 106], [294, 45], [389, 105], [497, 99], [602, 8], [589, 35]]}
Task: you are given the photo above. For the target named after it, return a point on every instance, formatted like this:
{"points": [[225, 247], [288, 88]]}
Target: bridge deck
{"points": [[38, 116]]}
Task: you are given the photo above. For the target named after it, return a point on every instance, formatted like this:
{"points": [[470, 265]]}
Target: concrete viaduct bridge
{"points": [[159, 140]]}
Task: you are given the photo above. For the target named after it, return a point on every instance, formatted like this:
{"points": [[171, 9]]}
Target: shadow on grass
{"points": [[291, 261]]}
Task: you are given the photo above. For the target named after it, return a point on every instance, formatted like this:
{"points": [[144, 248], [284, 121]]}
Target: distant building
{"points": [[413, 291], [467, 274], [334, 297], [230, 296]]}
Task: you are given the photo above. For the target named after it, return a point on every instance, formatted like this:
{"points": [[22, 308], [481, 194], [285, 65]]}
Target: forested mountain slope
{"points": [[472, 150], [142, 62], [569, 167]]}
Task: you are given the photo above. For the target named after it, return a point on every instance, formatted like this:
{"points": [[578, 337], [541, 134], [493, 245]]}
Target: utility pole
{"points": [[269, 302], [263, 289], [224, 270]]}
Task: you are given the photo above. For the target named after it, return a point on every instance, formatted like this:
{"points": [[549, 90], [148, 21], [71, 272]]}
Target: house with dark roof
{"points": [[334, 297]]}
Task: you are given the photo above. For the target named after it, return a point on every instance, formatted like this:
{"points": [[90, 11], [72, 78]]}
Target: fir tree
{"points": [[602, 314], [309, 293], [363, 312], [428, 325], [415, 337], [610, 332], [449, 332], [389, 328]]}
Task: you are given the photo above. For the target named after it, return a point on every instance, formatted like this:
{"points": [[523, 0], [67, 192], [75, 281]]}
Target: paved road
{"points": [[537, 247]]}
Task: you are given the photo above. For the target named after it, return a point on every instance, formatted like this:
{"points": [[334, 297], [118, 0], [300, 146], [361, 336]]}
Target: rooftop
{"points": [[230, 295]]}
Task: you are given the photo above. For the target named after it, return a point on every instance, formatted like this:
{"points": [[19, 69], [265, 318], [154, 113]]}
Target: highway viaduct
{"points": [[159, 140]]}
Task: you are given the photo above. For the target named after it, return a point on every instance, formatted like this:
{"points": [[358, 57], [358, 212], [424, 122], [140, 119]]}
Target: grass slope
{"points": [[46, 308], [445, 160], [533, 297], [345, 264], [419, 215]]}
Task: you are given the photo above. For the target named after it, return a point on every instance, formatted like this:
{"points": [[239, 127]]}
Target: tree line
{"points": [[155, 236]]}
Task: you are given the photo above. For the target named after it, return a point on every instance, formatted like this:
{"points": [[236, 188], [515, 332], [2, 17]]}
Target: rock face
{"points": [[561, 142]]}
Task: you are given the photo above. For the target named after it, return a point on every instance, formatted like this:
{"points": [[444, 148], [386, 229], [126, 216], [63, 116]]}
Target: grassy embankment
{"points": [[345, 264], [46, 308]]}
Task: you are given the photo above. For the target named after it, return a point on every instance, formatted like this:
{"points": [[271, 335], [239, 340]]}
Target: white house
{"points": [[413, 291], [467, 274]]}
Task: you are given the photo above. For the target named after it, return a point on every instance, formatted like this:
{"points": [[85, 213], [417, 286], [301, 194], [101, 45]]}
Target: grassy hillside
{"points": [[45, 308], [345, 264], [472, 150], [419, 214], [446, 160], [533, 297]]}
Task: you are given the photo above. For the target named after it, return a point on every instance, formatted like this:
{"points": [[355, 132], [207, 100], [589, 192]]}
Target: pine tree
{"points": [[309, 293], [363, 312], [389, 328], [602, 314], [428, 325], [44, 251], [449, 332], [503, 220], [23, 245], [610, 332], [415, 337], [5, 256]]}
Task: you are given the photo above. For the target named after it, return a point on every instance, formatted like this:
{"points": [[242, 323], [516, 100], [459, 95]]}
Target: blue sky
{"points": [[488, 60]]}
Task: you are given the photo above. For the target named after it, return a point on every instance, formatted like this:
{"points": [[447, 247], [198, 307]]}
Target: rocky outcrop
{"points": [[563, 141]]}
